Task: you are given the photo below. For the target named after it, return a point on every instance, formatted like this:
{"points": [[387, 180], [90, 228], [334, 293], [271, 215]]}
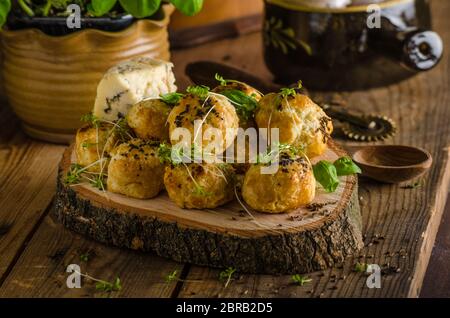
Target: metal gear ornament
{"points": [[379, 128], [362, 127]]}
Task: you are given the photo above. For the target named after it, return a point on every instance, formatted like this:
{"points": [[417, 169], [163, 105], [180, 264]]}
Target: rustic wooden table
{"points": [[35, 250]]}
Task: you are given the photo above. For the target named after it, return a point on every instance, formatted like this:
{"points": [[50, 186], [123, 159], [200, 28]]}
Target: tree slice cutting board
{"points": [[307, 239]]}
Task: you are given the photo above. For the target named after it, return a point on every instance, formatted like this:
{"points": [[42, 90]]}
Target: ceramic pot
{"points": [[343, 48], [51, 81]]}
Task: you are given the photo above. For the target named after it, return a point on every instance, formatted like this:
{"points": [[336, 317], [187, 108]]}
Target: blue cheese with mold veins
{"points": [[129, 82]]}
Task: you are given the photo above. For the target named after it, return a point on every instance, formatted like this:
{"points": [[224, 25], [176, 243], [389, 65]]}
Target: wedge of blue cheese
{"points": [[129, 82]]}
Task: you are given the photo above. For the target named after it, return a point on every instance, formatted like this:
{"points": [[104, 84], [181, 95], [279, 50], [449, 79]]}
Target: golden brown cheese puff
{"points": [[93, 143], [292, 186], [301, 122], [148, 119], [135, 170], [249, 91], [200, 186], [243, 154], [215, 112]]}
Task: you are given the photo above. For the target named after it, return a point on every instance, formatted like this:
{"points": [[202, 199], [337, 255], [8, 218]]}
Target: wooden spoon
{"points": [[392, 163]]}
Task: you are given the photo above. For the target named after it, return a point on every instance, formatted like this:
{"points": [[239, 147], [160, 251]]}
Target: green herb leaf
{"points": [[226, 276], [220, 79], [98, 182], [74, 174], [109, 287], [188, 7], [286, 92], [360, 267], [245, 105], [90, 119], [200, 91], [345, 166], [84, 257], [140, 8], [101, 7], [172, 277], [5, 7], [171, 98], [165, 153], [301, 280], [325, 173]]}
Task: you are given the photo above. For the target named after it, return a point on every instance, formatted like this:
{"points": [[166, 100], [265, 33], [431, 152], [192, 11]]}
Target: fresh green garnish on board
{"points": [[74, 174], [360, 267], [91, 119], [287, 91], [300, 279], [200, 91], [98, 182], [325, 173], [245, 105], [222, 81], [105, 286], [172, 276], [226, 276], [171, 98], [345, 166]]}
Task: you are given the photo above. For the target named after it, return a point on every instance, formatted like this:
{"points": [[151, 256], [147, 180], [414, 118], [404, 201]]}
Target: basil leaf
{"points": [[5, 6], [101, 7], [325, 173], [345, 166], [245, 105], [188, 7], [140, 8], [171, 98]]}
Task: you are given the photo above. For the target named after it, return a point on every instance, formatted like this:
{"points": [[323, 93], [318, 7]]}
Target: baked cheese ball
{"points": [[95, 142], [148, 119], [292, 186], [200, 186], [213, 112], [135, 170], [301, 122], [244, 121]]}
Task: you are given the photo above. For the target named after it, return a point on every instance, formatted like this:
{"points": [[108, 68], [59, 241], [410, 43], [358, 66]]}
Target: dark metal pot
{"points": [[336, 49]]}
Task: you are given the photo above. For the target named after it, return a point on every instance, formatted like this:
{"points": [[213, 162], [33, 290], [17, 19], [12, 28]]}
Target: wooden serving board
{"points": [[307, 239]]}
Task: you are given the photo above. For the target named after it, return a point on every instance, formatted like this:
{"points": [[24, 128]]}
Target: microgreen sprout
{"points": [[226, 276], [91, 119], [300, 279], [171, 98], [201, 91]]}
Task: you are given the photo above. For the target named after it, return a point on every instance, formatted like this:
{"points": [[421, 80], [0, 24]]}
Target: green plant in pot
{"points": [[51, 71]]}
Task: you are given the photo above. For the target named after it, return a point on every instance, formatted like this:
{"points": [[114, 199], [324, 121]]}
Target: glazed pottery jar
{"points": [[51, 81]]}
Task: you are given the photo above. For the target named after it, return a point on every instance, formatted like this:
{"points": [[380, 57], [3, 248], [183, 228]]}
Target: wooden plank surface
{"points": [[437, 279], [34, 249], [407, 219], [27, 186], [41, 269]]}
